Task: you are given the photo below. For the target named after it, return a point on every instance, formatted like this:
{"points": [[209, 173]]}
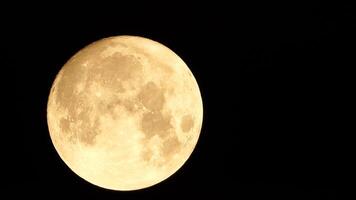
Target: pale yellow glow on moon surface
{"points": [[125, 113]]}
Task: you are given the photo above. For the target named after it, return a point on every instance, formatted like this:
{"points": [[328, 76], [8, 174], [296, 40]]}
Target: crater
{"points": [[147, 154], [187, 123], [65, 87], [130, 105], [110, 107], [152, 97], [127, 104], [167, 69], [64, 125], [154, 123], [118, 66], [85, 131], [171, 145], [89, 132]]}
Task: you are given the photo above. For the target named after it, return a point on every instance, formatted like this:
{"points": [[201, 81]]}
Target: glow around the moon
{"points": [[124, 113]]}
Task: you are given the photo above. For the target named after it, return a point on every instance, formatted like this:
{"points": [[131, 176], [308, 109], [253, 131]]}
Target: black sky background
{"points": [[273, 78]]}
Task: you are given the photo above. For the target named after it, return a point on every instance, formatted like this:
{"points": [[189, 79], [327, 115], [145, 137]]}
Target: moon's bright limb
{"points": [[125, 113]]}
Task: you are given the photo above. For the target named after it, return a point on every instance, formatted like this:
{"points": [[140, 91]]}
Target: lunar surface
{"points": [[124, 113]]}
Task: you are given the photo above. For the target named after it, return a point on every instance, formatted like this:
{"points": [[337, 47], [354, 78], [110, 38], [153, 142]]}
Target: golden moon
{"points": [[125, 113]]}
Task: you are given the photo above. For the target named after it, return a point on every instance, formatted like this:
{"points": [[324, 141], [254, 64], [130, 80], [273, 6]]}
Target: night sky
{"points": [[272, 78]]}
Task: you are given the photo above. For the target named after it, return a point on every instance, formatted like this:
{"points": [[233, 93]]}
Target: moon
{"points": [[125, 113]]}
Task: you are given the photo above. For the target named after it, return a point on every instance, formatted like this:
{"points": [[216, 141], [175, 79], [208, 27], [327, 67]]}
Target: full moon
{"points": [[124, 113]]}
